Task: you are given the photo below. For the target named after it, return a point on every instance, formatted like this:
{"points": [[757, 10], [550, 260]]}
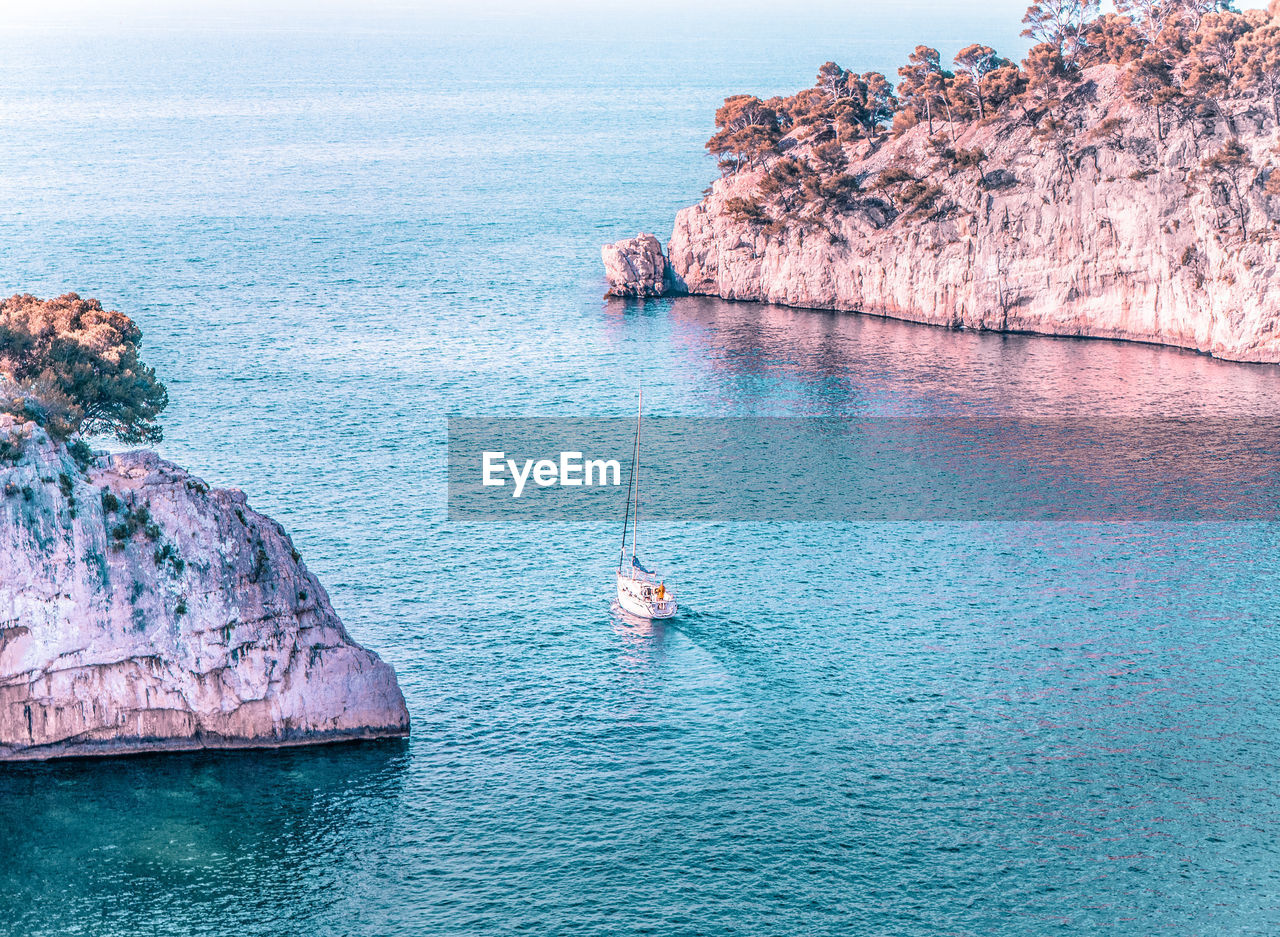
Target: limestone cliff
{"points": [[142, 610], [1108, 230]]}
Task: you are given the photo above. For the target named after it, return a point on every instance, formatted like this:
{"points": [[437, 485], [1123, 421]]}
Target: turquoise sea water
{"points": [[335, 239]]}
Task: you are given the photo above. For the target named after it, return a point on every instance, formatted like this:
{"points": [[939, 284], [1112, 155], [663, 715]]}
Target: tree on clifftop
{"points": [[976, 62], [1194, 10], [924, 84], [1212, 59], [1060, 23], [1046, 77], [1148, 15], [833, 82], [1259, 62], [747, 131], [73, 367], [1002, 86], [1111, 40], [1149, 81], [845, 103]]}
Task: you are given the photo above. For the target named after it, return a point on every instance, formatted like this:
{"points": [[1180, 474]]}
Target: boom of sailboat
{"points": [[641, 592]]}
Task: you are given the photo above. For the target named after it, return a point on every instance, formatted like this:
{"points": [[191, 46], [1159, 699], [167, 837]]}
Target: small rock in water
{"points": [[635, 267]]}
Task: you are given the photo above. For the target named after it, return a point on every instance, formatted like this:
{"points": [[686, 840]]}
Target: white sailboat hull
{"points": [[640, 598]]}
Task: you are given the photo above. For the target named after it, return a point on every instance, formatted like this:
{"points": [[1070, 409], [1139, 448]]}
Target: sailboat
{"points": [[641, 591]]}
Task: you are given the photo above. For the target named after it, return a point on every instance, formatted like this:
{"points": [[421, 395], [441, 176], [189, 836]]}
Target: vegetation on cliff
{"points": [[1183, 63], [73, 367]]}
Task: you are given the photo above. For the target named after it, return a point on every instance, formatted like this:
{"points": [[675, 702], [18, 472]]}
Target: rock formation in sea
{"points": [[635, 267], [1124, 182], [1118, 241], [142, 610]]}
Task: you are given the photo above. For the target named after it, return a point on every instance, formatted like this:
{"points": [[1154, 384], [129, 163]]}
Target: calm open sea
{"points": [[334, 239]]}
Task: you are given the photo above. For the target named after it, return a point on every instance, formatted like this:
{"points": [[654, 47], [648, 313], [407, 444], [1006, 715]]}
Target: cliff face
{"points": [[141, 610], [1112, 233]]}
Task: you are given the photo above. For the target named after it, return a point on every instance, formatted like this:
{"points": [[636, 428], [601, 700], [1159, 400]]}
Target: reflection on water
{"points": [[815, 363], [641, 640]]}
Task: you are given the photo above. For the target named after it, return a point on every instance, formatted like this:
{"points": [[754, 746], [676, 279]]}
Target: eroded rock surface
{"points": [[142, 610], [1116, 233], [635, 267]]}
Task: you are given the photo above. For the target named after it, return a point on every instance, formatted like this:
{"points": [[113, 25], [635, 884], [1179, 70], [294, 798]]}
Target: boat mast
{"points": [[636, 526], [635, 457]]}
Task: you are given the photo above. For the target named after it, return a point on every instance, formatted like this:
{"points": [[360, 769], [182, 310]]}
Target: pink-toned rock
{"points": [[1122, 235], [635, 267], [192, 625]]}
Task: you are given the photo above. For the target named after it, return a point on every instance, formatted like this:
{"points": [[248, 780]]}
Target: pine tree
{"points": [[1060, 23], [1259, 63], [975, 62]]}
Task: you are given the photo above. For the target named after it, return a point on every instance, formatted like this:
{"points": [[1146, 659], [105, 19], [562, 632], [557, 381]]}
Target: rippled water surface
{"points": [[333, 241]]}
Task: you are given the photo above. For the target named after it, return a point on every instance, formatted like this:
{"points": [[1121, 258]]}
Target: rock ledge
{"points": [[141, 610]]}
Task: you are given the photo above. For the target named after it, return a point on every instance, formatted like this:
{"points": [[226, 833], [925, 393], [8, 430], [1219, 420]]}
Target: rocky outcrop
{"points": [[141, 610], [1110, 232], [635, 267]]}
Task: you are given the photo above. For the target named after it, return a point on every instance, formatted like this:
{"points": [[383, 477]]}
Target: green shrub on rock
{"points": [[73, 367]]}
